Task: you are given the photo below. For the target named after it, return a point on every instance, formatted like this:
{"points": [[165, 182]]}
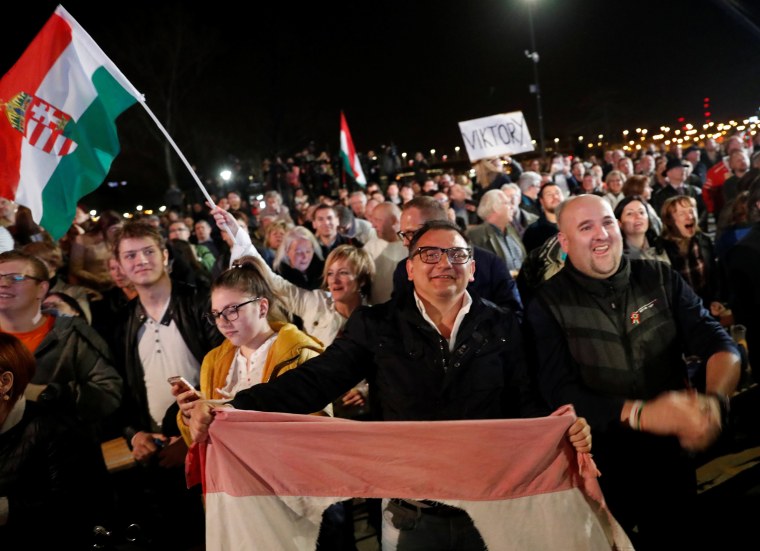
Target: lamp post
{"points": [[534, 88]]}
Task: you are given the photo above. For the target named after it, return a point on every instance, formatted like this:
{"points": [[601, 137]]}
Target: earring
{"points": [[6, 397]]}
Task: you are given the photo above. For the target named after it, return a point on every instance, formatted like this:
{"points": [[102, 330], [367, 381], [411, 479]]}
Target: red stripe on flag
{"points": [[349, 140], [26, 76]]}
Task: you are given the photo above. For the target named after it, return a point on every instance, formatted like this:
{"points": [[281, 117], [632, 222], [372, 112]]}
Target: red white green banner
{"points": [[58, 137], [351, 164]]}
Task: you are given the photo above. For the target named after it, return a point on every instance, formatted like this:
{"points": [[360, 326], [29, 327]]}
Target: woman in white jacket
{"points": [[347, 276]]}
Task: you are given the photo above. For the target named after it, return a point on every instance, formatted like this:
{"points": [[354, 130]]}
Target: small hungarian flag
{"points": [[351, 163], [58, 139]]}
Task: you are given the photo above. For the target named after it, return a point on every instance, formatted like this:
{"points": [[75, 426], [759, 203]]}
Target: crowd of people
{"points": [[506, 290]]}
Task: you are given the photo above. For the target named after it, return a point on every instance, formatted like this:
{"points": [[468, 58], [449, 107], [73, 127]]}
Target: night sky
{"points": [[267, 79]]}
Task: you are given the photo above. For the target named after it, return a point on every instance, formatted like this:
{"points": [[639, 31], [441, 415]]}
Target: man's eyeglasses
{"points": [[408, 234], [229, 314], [17, 278], [432, 255]]}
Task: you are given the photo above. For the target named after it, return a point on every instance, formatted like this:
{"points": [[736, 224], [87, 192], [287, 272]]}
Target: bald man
{"points": [[609, 335]]}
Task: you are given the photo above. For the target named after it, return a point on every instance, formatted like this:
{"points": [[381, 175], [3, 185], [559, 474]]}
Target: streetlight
{"points": [[534, 88]]}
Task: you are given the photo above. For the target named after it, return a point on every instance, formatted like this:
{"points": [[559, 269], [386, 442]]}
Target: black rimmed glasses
{"points": [[229, 314], [406, 234], [17, 278], [432, 255]]}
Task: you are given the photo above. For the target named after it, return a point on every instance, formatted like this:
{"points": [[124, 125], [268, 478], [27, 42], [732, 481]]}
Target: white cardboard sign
{"points": [[502, 134]]}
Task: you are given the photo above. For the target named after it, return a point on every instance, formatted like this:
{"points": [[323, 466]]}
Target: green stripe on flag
{"points": [[84, 170]]}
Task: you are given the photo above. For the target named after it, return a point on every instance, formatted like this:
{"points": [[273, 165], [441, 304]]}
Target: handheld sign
{"points": [[503, 134]]}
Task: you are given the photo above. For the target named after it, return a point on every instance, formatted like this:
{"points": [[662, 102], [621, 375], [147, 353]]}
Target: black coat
{"points": [[186, 309], [411, 373], [56, 482]]}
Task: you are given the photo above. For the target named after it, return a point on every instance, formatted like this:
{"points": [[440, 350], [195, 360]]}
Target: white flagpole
{"points": [[184, 160]]}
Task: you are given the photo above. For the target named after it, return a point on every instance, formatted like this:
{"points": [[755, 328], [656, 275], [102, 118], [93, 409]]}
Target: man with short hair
{"points": [[386, 249], [521, 218], [203, 237], [492, 282], [75, 369], [610, 334], [496, 233], [574, 180], [738, 162], [358, 230], [530, 185], [698, 175], [393, 193], [675, 174], [545, 227], [712, 191], [325, 220], [179, 230], [357, 200], [161, 333]]}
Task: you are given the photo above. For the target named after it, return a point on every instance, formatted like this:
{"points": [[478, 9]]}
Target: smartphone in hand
{"points": [[184, 383]]}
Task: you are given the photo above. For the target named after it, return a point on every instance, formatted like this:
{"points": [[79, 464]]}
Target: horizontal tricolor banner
{"points": [[269, 476]]}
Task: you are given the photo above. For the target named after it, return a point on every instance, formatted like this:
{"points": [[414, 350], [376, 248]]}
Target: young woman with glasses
{"points": [[255, 350]]}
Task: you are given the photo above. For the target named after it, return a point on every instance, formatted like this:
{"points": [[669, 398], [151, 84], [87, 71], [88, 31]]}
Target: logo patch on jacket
{"points": [[636, 315]]}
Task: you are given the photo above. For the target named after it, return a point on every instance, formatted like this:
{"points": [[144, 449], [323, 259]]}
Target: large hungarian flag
{"points": [[58, 137], [269, 476], [351, 164]]}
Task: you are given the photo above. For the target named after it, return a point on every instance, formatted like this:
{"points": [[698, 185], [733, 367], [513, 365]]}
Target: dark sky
{"points": [[263, 79]]}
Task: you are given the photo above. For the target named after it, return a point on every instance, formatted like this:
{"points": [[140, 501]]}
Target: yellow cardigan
{"points": [[290, 349]]}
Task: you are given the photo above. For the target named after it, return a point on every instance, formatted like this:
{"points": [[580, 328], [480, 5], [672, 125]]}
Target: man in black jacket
{"points": [[162, 333], [431, 353], [609, 337]]}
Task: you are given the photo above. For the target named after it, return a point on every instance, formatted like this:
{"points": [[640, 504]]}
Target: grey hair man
{"points": [[530, 185]]}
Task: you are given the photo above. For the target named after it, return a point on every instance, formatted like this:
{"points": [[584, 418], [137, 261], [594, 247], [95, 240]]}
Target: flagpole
{"points": [[185, 161]]}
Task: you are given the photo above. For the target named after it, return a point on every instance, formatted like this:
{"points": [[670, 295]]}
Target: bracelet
{"points": [[725, 407], [634, 416], [638, 415]]}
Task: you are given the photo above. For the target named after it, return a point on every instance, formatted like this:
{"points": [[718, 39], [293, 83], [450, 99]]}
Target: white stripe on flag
{"points": [[517, 478]]}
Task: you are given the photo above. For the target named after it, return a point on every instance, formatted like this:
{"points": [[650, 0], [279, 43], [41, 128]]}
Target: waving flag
{"points": [[58, 137], [269, 476], [351, 164]]}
